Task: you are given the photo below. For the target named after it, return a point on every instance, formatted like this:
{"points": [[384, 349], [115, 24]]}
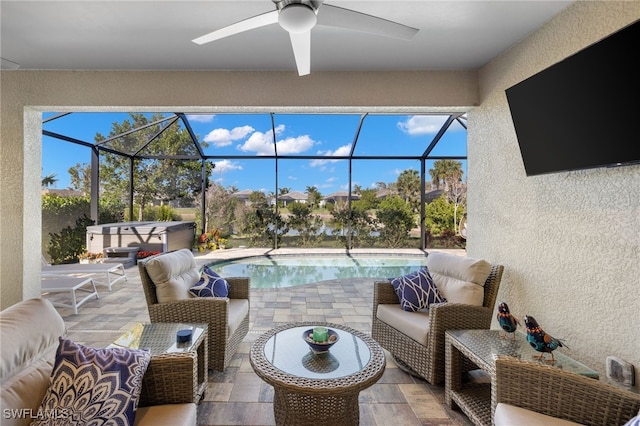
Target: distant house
{"points": [[432, 195], [342, 196], [383, 193], [429, 196], [243, 195], [293, 197], [63, 192]]}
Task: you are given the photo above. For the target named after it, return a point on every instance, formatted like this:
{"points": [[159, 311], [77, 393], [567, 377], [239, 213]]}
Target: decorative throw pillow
{"points": [[417, 290], [210, 285], [94, 386]]}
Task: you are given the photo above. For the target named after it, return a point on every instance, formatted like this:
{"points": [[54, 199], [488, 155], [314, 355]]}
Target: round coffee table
{"points": [[315, 389]]}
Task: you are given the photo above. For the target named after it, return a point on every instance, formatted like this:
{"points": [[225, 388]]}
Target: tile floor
{"points": [[238, 396]]}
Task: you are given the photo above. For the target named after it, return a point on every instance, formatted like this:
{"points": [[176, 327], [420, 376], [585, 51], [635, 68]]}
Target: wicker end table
{"points": [[316, 389], [177, 371], [479, 347]]}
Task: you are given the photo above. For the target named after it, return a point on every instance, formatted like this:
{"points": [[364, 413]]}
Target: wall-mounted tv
{"points": [[583, 111]]}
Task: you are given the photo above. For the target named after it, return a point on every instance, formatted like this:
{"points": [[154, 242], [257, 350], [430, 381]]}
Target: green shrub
{"points": [[65, 246], [396, 217]]}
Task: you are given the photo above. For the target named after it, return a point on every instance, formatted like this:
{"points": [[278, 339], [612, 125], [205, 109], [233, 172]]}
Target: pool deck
{"points": [[238, 396]]}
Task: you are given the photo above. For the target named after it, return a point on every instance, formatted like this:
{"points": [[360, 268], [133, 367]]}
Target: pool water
{"points": [[288, 271]]}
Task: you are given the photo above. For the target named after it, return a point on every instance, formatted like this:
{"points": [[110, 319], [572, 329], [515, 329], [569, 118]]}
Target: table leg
{"points": [[453, 375], [305, 409]]}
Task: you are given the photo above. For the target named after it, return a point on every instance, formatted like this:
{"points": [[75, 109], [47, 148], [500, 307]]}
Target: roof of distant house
{"points": [[63, 192]]}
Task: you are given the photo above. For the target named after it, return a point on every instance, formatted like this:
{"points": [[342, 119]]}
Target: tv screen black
{"points": [[581, 112]]}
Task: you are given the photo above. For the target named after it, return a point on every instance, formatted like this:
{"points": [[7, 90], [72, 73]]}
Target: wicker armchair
{"points": [[553, 392], [427, 360], [218, 313]]}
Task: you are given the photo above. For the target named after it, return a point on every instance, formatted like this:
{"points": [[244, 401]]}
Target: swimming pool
{"points": [[290, 270]]}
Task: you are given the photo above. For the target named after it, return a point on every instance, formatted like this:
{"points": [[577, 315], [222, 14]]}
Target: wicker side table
{"points": [[480, 347], [177, 371], [316, 389]]}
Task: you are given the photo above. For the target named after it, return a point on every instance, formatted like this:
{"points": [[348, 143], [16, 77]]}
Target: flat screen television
{"points": [[583, 111]]}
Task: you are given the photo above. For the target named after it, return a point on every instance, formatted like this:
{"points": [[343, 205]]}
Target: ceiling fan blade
{"points": [[333, 16], [245, 25], [301, 43]]}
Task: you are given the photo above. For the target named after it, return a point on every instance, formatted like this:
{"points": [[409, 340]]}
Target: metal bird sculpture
{"points": [[541, 341], [507, 321]]}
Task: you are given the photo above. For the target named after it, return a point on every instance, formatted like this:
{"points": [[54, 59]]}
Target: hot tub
{"points": [[148, 236]]}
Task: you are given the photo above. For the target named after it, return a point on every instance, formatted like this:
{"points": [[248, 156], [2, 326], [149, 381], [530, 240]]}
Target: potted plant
{"points": [[88, 257], [208, 240]]}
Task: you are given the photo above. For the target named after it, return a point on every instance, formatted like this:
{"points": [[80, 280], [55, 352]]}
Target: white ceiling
{"points": [[156, 35]]}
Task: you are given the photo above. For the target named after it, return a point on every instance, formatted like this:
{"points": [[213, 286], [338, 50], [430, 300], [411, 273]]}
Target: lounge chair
{"points": [[61, 284], [113, 272]]}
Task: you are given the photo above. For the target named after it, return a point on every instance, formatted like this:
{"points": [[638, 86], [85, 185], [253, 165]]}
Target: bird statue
{"points": [[507, 321], [541, 341]]}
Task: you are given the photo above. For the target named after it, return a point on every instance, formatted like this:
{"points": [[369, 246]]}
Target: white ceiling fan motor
{"points": [[297, 18]]}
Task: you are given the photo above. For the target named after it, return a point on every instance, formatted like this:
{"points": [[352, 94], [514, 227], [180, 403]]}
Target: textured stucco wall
{"points": [[26, 93], [569, 241]]}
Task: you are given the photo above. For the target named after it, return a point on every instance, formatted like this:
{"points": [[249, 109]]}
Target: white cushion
{"points": [[26, 389], [460, 279], [238, 309], [29, 331], [173, 274], [412, 324], [510, 415], [167, 415]]}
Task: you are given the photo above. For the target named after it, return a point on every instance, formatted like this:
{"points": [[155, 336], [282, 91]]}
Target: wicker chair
{"points": [[553, 392], [427, 361], [216, 312]]}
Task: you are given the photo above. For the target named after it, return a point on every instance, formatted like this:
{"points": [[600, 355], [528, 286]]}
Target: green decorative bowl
{"points": [[320, 347]]}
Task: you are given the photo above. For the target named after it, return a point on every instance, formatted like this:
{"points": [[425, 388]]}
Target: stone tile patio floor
{"points": [[238, 396]]}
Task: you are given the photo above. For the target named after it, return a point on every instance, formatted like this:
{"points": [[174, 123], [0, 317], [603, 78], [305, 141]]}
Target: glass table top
{"points": [[287, 351], [485, 344], [160, 338]]}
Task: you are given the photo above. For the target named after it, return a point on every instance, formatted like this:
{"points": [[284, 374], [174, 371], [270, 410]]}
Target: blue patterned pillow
{"points": [[417, 290], [210, 285], [635, 421], [94, 386]]}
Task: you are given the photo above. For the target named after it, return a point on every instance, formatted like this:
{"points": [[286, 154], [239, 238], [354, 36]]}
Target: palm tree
{"points": [[408, 186], [446, 172], [314, 196], [49, 180]]}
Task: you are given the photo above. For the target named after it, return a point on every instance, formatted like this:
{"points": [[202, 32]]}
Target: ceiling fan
{"points": [[298, 17]]}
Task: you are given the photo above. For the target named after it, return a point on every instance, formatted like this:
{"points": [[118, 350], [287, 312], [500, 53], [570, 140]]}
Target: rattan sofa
{"points": [[426, 358], [529, 392], [29, 332], [228, 318]]}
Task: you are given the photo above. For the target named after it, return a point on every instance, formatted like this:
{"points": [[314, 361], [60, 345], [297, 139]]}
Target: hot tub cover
{"points": [[139, 228]]}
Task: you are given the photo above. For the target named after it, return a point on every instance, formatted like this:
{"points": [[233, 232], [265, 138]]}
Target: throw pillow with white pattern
{"points": [[210, 284], [417, 290]]}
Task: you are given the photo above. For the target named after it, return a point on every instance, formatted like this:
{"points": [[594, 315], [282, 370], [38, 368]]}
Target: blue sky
{"points": [[251, 136]]}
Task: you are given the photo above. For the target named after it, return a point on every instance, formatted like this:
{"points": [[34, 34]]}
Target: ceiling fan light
{"points": [[297, 18]]}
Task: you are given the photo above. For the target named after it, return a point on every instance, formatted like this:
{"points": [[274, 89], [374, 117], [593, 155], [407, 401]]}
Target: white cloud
{"points": [[342, 151], [422, 124], [226, 166], [201, 118], [223, 137], [262, 143]]}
